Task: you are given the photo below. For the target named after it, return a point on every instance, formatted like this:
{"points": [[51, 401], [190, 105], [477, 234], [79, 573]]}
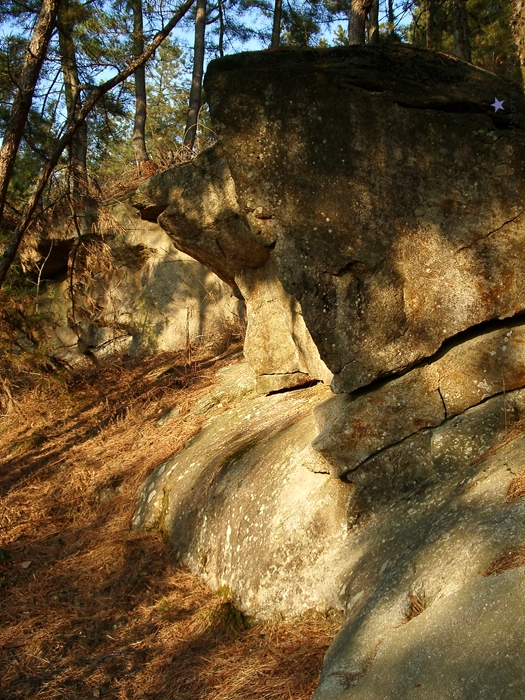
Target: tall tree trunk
{"points": [[391, 19], [221, 28], [196, 78], [139, 128], [276, 29], [68, 61], [460, 30], [518, 28], [95, 95], [33, 59], [433, 33], [359, 10], [373, 27]]}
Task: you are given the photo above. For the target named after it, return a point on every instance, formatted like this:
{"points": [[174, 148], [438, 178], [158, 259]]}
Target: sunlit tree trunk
{"points": [[68, 61], [460, 30], [33, 59], [373, 28], [359, 10], [139, 127], [197, 75]]}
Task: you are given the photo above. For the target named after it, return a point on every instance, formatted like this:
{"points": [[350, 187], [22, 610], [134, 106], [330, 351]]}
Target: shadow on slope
{"points": [[90, 609]]}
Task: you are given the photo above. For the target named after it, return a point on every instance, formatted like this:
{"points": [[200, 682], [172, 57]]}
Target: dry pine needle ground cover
{"points": [[91, 609]]}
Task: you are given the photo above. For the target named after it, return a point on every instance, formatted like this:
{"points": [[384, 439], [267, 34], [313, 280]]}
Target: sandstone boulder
{"points": [[382, 184], [196, 204], [354, 428], [389, 192], [368, 204], [133, 291], [246, 505], [240, 508]]}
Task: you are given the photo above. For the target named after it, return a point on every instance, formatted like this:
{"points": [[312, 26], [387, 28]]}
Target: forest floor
{"points": [[89, 608]]}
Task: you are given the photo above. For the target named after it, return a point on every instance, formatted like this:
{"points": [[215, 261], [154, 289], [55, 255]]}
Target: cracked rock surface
{"points": [[370, 207]]}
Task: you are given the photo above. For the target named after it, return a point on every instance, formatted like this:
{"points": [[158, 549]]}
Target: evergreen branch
{"points": [[92, 99]]}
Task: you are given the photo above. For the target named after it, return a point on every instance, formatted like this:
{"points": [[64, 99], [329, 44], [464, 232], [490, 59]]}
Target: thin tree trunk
{"points": [[359, 10], [197, 75], [139, 128], [433, 38], [221, 28], [68, 62], [391, 19], [276, 29], [373, 28], [78, 144], [460, 30], [33, 59], [95, 95]]}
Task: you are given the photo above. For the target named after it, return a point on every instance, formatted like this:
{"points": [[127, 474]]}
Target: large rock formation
{"points": [[387, 189], [128, 290], [369, 204], [196, 204], [247, 504]]}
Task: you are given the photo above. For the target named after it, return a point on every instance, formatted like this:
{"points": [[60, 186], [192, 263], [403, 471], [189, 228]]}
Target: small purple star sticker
{"points": [[498, 104]]}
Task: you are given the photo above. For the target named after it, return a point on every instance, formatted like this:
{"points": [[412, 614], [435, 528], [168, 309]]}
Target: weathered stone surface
{"points": [[373, 215], [428, 547], [490, 364], [240, 508], [245, 504], [367, 424], [196, 204], [277, 343], [140, 295], [353, 429], [238, 381], [416, 229], [468, 645]]}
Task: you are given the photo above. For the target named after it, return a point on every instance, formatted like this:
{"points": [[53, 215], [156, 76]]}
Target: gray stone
{"points": [[196, 204], [277, 341], [353, 428], [427, 546], [467, 645], [416, 227], [237, 382], [140, 294], [239, 506], [369, 423]]}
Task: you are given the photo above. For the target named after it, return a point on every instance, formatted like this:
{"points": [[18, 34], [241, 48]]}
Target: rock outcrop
{"points": [[196, 205], [128, 291], [369, 204], [248, 505], [387, 190]]}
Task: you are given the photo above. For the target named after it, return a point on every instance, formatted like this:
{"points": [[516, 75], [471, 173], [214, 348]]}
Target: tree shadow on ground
{"points": [[90, 609]]}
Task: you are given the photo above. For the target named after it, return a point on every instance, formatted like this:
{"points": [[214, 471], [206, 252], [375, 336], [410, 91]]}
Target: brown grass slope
{"points": [[89, 608]]}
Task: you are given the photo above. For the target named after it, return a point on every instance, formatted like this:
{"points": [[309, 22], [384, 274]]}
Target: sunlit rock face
{"points": [[128, 291], [368, 203], [197, 206], [239, 506], [389, 191], [381, 181]]}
